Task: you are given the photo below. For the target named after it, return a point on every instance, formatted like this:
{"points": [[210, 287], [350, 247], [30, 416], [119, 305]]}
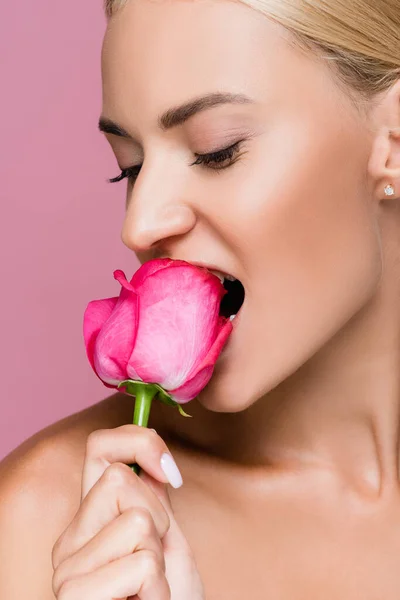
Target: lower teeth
{"points": [[232, 317]]}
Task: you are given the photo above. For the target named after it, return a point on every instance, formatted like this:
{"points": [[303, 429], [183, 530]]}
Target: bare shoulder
{"points": [[40, 487], [44, 472], [59, 448]]}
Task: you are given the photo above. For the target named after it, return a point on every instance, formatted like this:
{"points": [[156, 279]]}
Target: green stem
{"points": [[144, 395]]}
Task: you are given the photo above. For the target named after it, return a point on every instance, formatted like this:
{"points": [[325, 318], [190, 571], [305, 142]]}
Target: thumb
{"points": [[174, 539]]}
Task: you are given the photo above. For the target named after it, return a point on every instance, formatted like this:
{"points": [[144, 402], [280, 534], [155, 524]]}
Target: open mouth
{"points": [[232, 302]]}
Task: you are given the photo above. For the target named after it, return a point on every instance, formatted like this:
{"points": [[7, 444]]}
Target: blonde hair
{"points": [[358, 38]]}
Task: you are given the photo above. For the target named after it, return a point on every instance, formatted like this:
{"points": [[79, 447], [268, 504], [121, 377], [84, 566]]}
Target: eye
{"points": [[217, 159], [131, 173]]}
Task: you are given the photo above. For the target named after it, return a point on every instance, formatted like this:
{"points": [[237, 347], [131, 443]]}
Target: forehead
{"points": [[169, 50]]}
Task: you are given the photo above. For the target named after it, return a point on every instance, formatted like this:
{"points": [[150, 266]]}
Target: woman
{"points": [[290, 463]]}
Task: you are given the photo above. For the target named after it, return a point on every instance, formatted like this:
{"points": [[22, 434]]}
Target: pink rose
{"points": [[164, 328]]}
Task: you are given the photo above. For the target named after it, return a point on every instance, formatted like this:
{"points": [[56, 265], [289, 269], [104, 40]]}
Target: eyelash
{"points": [[202, 159]]}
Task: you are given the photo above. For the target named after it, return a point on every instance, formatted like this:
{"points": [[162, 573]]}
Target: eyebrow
{"points": [[179, 114]]}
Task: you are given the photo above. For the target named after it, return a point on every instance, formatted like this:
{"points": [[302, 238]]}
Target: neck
{"points": [[341, 410]]}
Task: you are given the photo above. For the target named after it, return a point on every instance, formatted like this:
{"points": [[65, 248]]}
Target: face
{"points": [[289, 212]]}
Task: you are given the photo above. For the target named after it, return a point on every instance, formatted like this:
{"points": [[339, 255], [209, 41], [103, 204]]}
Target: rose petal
{"points": [[116, 340], [96, 314], [178, 323], [204, 370], [120, 277], [153, 266]]}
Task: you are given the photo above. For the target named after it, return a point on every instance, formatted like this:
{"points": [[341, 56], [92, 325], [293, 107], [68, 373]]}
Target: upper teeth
{"points": [[222, 276]]}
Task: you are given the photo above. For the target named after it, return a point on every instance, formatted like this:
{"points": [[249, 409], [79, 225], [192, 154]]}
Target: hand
{"points": [[124, 541]]}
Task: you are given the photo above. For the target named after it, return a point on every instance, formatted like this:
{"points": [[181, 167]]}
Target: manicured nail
{"points": [[171, 470]]}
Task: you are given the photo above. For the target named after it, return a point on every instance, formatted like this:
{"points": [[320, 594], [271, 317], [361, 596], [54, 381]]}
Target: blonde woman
{"points": [[260, 138]]}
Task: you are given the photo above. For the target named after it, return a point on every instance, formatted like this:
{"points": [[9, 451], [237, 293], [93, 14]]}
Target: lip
{"points": [[210, 267], [227, 349], [236, 320]]}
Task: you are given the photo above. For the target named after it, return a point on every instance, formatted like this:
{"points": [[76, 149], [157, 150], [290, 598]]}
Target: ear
{"points": [[384, 162]]}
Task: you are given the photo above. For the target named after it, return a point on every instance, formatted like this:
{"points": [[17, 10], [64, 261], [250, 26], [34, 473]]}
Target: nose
{"points": [[149, 220]]}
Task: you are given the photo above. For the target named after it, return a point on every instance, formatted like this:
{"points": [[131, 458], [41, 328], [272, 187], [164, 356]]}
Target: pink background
{"points": [[61, 221]]}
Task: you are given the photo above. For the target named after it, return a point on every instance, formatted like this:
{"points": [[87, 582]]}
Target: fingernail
{"points": [[171, 470]]}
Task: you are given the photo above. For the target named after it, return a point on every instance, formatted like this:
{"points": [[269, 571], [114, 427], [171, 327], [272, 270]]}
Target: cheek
{"points": [[310, 252], [302, 209]]}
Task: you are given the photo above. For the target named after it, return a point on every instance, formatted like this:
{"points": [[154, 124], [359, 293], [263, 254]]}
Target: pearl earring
{"points": [[389, 190]]}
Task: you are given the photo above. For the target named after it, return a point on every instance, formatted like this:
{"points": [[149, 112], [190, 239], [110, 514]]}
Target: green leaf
{"points": [[132, 386], [182, 411]]}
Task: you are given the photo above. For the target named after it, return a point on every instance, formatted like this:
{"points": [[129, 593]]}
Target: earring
{"points": [[389, 190]]}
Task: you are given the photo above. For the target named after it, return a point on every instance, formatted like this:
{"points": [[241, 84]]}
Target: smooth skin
{"points": [[290, 463]]}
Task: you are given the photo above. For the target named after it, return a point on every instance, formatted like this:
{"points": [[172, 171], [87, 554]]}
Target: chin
{"points": [[242, 376], [227, 391]]}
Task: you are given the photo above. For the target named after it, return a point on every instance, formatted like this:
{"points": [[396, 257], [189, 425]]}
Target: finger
{"points": [[174, 538], [127, 444], [131, 532], [139, 573], [117, 490]]}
